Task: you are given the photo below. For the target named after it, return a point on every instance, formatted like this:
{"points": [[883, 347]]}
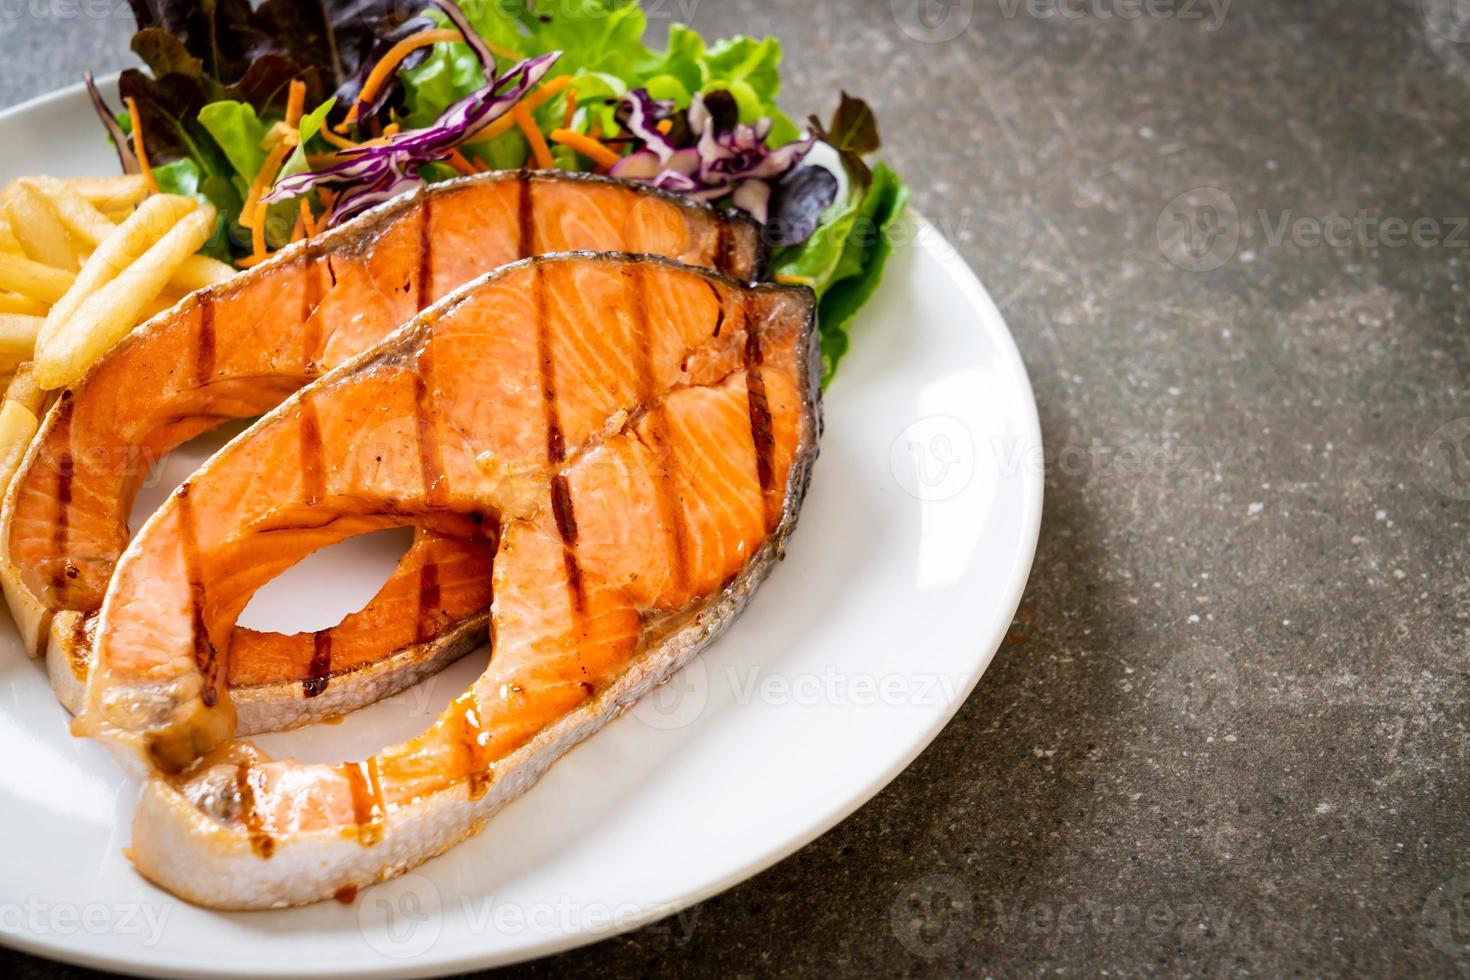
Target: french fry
{"points": [[34, 223], [198, 271], [111, 193], [18, 334], [124, 246], [18, 426], [8, 241], [23, 389], [81, 217], [32, 279], [70, 346], [16, 303], [88, 223]]}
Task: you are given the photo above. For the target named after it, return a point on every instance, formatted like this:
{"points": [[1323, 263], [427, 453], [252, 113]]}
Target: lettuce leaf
{"points": [[844, 258]]}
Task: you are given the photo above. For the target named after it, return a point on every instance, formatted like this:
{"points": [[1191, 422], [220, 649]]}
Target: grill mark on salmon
{"points": [[65, 471], [431, 459], [426, 256], [525, 215], [313, 480], [723, 249], [472, 741], [206, 657], [320, 670], [761, 435], [364, 783], [428, 601], [311, 299], [556, 448], [81, 642], [204, 348], [260, 842]]}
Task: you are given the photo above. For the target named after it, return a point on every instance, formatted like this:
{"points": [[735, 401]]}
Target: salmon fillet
{"points": [[633, 436], [236, 350]]}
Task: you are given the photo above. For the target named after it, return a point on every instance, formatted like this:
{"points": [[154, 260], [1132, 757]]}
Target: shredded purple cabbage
{"points": [[728, 159], [383, 171]]}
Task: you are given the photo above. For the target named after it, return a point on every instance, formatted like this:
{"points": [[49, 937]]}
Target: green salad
{"points": [[290, 118]]}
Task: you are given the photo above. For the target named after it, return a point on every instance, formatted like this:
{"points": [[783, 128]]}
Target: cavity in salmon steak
{"points": [[632, 435], [236, 350]]}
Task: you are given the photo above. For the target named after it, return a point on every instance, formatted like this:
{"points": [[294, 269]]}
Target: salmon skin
{"points": [[236, 350], [639, 436]]}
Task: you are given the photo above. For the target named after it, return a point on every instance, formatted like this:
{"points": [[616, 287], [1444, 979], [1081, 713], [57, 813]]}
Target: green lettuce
{"points": [[843, 260]]}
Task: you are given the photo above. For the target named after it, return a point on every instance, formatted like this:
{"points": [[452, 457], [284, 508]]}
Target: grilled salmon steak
{"points": [[632, 435], [236, 350]]}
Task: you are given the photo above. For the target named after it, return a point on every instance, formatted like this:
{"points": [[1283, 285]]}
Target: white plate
{"points": [[897, 588]]}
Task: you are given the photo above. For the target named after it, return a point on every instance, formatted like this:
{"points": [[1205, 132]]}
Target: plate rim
{"points": [[1027, 422]]}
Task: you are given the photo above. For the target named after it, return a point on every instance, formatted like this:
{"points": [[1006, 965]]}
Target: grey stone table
{"points": [[1228, 731]]}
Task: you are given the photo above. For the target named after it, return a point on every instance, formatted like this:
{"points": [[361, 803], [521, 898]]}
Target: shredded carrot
{"points": [[298, 230], [566, 119], [585, 145], [496, 129], [251, 260], [545, 92], [295, 102], [664, 126], [390, 61], [340, 142], [138, 150], [308, 223], [540, 152], [264, 179], [596, 131], [458, 162], [257, 231], [500, 51], [391, 129]]}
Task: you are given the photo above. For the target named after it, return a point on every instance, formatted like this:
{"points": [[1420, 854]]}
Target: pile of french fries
{"points": [[82, 262]]}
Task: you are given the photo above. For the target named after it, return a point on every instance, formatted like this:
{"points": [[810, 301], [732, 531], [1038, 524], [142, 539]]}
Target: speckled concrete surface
{"points": [[1228, 731]]}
